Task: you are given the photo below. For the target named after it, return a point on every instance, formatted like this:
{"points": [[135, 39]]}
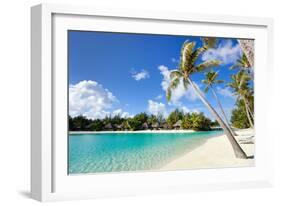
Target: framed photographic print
{"points": [[133, 102]]}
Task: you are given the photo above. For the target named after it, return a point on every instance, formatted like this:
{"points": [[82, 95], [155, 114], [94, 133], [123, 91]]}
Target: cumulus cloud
{"points": [[121, 113], [140, 75], [226, 52], [90, 99], [187, 110], [180, 91], [225, 92], [156, 108]]}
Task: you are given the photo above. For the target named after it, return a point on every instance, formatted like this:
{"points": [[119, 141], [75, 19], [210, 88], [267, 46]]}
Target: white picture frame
{"points": [[49, 179]]}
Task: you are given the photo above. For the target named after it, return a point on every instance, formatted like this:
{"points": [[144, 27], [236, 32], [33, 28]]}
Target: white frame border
{"points": [[42, 88]]}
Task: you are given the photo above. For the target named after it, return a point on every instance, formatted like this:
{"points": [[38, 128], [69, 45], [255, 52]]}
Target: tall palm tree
{"points": [[243, 64], [188, 66], [210, 80], [239, 83]]}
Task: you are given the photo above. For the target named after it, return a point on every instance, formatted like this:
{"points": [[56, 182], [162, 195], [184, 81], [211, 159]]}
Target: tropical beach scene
{"points": [[150, 102]]}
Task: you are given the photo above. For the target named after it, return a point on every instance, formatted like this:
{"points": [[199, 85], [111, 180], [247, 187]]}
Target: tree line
{"points": [[177, 119]]}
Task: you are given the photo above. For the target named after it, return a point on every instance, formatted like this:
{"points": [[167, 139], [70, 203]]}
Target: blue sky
{"points": [[117, 73]]}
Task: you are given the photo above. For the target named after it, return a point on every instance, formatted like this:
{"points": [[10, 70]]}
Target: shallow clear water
{"points": [[115, 152]]}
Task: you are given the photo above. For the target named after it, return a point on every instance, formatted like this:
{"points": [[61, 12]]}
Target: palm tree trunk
{"points": [[238, 151], [222, 111], [247, 47], [249, 109], [247, 112]]}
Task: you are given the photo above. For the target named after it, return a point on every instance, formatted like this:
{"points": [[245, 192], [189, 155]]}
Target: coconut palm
{"points": [[210, 80], [188, 66], [243, 64], [209, 42], [239, 83]]}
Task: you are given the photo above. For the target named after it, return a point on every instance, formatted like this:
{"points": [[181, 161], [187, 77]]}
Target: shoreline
{"points": [[216, 152], [139, 131]]}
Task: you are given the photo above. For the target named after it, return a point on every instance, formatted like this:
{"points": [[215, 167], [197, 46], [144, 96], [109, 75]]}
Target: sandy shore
{"points": [[140, 131], [216, 152]]}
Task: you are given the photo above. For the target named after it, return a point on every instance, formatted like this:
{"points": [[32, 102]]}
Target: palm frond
{"points": [[205, 81], [206, 89], [169, 94], [209, 42], [195, 54], [174, 83], [235, 66], [175, 74], [241, 63], [207, 65], [186, 53], [185, 84], [219, 81]]}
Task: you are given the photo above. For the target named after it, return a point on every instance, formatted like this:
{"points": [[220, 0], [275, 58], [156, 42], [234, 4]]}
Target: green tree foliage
{"points": [[134, 124], [79, 123], [195, 121], [215, 124], [116, 120], [240, 83], [142, 117], [70, 123], [239, 117], [152, 119], [175, 116], [137, 121], [189, 121], [96, 125]]}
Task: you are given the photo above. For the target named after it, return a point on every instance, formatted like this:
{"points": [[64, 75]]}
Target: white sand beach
{"points": [[216, 152]]}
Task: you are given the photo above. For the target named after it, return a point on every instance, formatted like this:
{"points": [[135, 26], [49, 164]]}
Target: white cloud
{"points": [[225, 92], [226, 52], [140, 75], [185, 109], [156, 108], [160, 96], [180, 91], [90, 99], [121, 113]]}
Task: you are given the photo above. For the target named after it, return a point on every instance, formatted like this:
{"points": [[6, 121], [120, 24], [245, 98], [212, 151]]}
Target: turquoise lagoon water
{"points": [[116, 152]]}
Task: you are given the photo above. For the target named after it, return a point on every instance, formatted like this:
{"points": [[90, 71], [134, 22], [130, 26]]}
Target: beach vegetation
{"points": [[196, 121], [210, 82], [174, 116], [187, 67], [239, 118], [240, 83], [143, 121]]}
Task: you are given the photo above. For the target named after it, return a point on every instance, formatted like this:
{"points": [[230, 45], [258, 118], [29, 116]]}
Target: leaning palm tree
{"points": [[188, 66], [210, 80], [243, 64], [239, 83]]}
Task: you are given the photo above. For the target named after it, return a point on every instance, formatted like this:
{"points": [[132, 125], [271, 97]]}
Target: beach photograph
{"points": [[155, 102]]}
